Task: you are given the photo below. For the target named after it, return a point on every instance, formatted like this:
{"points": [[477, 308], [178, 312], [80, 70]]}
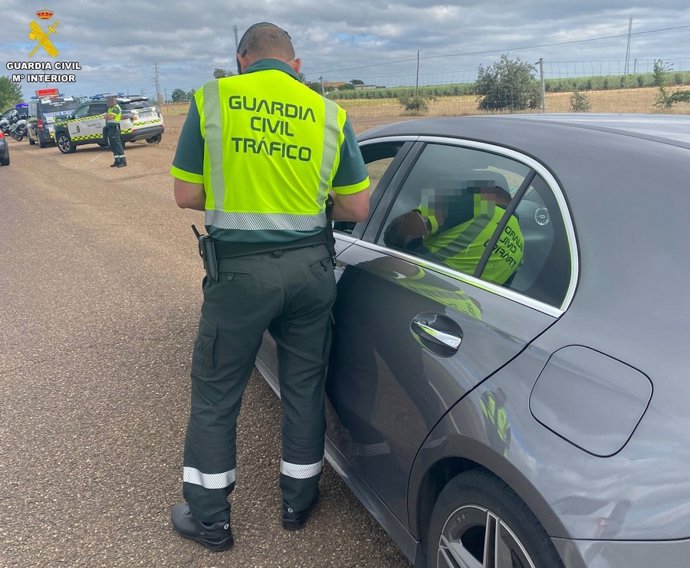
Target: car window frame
{"points": [[389, 176], [389, 193]]}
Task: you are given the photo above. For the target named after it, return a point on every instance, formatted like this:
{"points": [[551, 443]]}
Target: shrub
{"points": [[508, 84], [414, 103], [579, 102]]}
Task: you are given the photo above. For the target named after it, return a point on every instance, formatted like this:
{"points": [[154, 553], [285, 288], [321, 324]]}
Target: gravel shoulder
{"points": [[100, 287]]}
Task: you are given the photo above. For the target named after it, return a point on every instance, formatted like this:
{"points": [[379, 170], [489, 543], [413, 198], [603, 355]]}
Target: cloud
{"points": [[121, 45]]}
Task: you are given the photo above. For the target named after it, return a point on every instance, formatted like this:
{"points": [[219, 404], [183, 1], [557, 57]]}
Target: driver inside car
{"points": [[453, 226]]}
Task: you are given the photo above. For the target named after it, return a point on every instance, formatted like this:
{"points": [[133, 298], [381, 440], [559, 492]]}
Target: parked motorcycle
{"points": [[17, 130]]}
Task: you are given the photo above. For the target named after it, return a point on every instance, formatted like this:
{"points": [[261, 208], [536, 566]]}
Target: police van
{"points": [[43, 112], [141, 120]]}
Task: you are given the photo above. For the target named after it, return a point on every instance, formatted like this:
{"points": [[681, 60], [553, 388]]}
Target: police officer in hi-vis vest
{"points": [[260, 153], [111, 132]]}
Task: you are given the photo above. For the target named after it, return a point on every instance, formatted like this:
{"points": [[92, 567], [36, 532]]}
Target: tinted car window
{"points": [[453, 200], [546, 264], [81, 112], [458, 201], [97, 108], [132, 105], [58, 106]]}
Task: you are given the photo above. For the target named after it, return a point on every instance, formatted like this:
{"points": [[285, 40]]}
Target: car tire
{"points": [[474, 506], [155, 139], [5, 162], [31, 141], [41, 143], [64, 143]]}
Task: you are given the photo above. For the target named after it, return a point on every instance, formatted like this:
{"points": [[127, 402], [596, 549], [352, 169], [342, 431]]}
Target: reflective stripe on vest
{"points": [[269, 159], [462, 247]]}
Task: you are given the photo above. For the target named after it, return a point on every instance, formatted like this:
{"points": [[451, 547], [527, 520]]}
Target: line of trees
{"points": [[508, 84], [518, 77]]}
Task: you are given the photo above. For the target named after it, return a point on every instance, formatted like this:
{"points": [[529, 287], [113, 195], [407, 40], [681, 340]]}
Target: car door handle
{"points": [[423, 329]]}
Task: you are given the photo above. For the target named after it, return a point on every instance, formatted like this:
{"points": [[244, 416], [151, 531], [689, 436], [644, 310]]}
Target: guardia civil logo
{"points": [[41, 32], [41, 36]]}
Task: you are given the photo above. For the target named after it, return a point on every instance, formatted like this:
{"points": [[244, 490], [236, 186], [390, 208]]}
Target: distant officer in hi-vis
{"points": [[111, 133], [260, 153]]}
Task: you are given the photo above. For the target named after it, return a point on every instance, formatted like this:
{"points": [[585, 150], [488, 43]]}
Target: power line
{"points": [[503, 50]]}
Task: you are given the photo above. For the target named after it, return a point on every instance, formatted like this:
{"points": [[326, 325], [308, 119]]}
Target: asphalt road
{"points": [[99, 302]]}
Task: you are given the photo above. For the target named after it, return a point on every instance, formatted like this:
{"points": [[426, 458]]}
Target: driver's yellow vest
{"points": [[461, 247], [272, 148]]}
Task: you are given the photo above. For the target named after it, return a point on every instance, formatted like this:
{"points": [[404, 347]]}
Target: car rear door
{"points": [[413, 333]]}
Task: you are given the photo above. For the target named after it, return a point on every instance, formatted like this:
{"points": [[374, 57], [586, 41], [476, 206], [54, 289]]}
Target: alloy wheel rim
{"points": [[475, 537]]}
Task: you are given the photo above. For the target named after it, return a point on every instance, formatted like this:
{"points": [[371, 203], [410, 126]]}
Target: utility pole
{"points": [[416, 85], [157, 83], [543, 87], [323, 92], [627, 51]]}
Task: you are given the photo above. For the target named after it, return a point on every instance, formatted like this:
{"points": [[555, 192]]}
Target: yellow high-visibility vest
{"points": [[117, 112], [272, 148], [462, 247]]}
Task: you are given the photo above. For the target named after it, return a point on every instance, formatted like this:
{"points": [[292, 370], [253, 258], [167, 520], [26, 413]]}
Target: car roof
{"points": [[664, 128]]}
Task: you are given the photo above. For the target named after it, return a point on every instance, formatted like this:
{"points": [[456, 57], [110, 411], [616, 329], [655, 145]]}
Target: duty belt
{"points": [[232, 250]]}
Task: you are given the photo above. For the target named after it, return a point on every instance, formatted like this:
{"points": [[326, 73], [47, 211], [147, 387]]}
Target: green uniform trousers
{"points": [[289, 293], [111, 133]]}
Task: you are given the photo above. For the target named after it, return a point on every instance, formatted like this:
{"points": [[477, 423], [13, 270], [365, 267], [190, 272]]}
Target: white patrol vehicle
{"points": [[43, 112], [141, 120]]}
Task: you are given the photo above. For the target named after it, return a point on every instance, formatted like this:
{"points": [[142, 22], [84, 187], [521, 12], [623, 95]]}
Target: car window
{"points": [[81, 112], [97, 108], [133, 105], [52, 107], [450, 205], [457, 201], [378, 159], [545, 271]]}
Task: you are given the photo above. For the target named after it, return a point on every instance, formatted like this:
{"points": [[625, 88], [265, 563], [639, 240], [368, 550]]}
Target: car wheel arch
{"points": [[457, 455], [64, 142], [470, 509]]}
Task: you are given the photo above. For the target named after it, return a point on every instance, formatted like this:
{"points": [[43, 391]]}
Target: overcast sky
{"points": [[118, 44]]}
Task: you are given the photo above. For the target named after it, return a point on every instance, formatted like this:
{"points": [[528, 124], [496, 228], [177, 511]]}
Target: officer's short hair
{"points": [[266, 40]]}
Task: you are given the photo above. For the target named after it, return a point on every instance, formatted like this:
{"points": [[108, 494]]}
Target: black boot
{"points": [[114, 164], [122, 162], [295, 520], [215, 536]]}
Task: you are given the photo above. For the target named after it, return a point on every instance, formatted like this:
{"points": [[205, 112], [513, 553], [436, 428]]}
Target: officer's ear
{"points": [[296, 64], [242, 63]]}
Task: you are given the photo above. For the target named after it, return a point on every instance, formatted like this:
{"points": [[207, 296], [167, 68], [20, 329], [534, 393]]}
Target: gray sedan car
{"points": [[509, 377]]}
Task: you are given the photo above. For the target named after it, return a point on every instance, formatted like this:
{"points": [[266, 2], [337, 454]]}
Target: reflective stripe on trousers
{"points": [[298, 471]]}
